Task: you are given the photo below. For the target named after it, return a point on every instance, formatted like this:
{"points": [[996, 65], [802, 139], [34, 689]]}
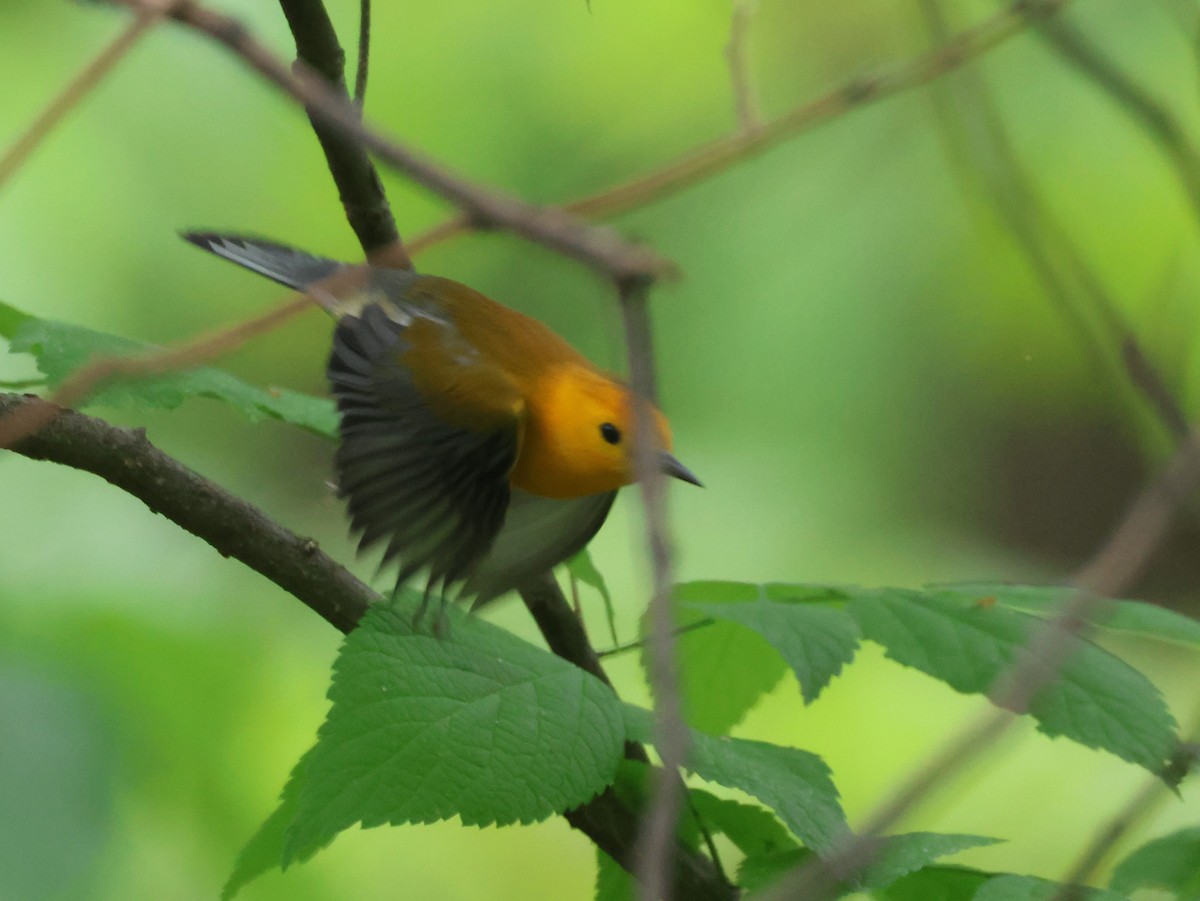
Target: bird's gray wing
{"points": [[425, 475]]}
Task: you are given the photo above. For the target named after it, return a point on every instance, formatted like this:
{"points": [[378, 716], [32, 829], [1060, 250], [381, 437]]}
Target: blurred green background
{"points": [[859, 361]]}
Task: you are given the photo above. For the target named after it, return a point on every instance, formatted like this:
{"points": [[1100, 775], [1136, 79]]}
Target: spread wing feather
{"points": [[433, 491]]}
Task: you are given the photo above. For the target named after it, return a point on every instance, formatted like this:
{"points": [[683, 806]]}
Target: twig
{"points": [[979, 142], [635, 645], [658, 825], [1154, 118], [29, 418], [79, 86], [358, 184], [1133, 811], [363, 63], [724, 152], [745, 97], [553, 228]]}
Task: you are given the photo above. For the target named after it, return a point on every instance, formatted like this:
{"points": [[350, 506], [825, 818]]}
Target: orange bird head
{"points": [[581, 436]]}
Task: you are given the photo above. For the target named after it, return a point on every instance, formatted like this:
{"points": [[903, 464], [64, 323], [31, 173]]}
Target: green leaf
{"points": [[904, 854], [612, 882], [815, 640], [753, 830], [60, 349], [795, 784], [477, 724], [896, 857], [1171, 862], [1096, 700], [1128, 617], [940, 883], [1030, 888], [11, 319], [724, 669], [759, 871], [264, 851], [582, 567]]}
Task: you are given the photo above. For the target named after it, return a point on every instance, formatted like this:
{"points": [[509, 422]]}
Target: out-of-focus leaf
{"points": [[1171, 862], [1030, 888], [61, 348], [1096, 699], [895, 858], [583, 568], [1129, 617], [940, 883], [612, 882]]}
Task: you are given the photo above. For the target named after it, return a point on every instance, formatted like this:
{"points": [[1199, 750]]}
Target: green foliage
{"points": [[584, 569], [960, 637], [475, 724], [753, 830], [1125, 617], [814, 640], [61, 349], [724, 669], [1171, 862], [939, 883], [612, 882], [795, 784], [894, 858], [1030, 888], [1096, 699], [950, 883]]}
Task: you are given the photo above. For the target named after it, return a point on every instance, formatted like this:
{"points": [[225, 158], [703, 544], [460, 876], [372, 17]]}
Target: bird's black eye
{"points": [[610, 433]]}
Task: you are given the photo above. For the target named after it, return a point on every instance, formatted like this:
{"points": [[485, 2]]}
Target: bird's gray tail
{"points": [[278, 262]]}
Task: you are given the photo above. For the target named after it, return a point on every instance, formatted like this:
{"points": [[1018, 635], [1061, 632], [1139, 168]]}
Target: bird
{"points": [[476, 445]]}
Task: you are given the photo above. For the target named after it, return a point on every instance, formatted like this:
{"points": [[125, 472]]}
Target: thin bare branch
{"points": [[718, 155], [363, 64], [658, 826], [978, 142], [1153, 117], [554, 228], [745, 95], [1150, 795], [78, 88]]}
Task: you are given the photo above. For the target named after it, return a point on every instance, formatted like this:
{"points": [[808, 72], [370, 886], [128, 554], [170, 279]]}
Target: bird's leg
{"points": [[441, 625], [419, 616]]}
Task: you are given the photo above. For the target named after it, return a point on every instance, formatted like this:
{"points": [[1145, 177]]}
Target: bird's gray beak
{"points": [[673, 467]]}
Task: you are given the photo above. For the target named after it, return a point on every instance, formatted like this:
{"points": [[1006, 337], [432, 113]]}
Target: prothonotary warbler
{"points": [[476, 444]]}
